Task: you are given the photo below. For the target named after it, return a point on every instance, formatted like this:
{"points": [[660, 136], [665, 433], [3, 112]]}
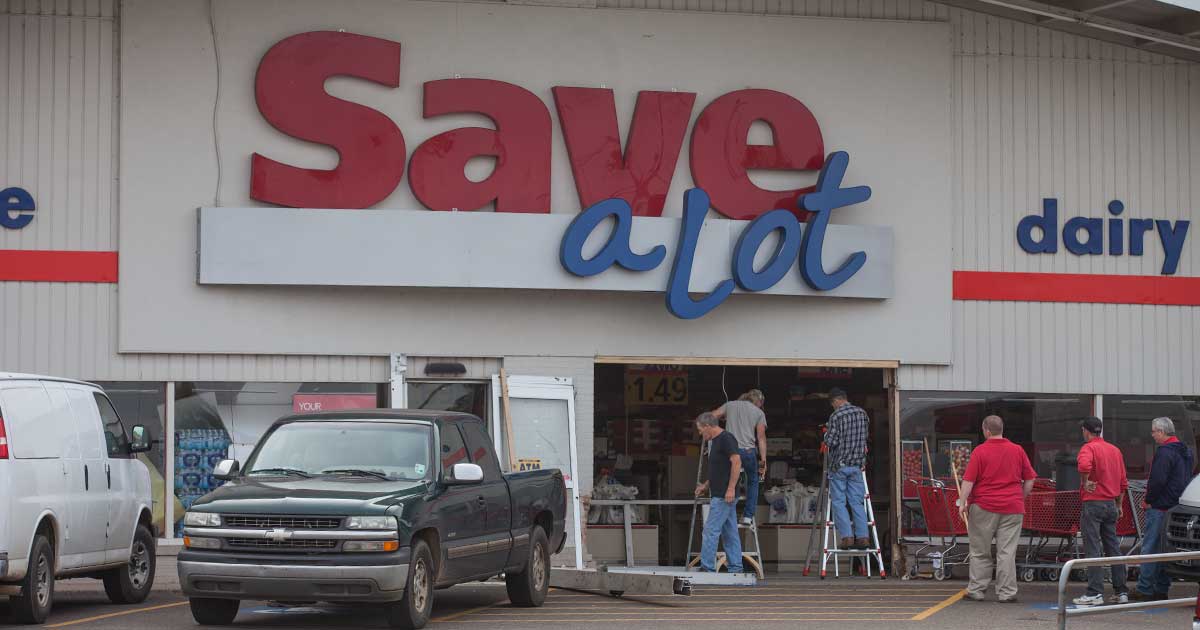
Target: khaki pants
{"points": [[1006, 529]]}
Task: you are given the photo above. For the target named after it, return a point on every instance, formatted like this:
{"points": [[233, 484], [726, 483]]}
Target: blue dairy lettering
{"points": [[1047, 222], [16, 208], [1172, 242], [1095, 232], [1137, 234]]}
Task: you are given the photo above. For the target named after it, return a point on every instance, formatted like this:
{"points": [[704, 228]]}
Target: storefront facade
{"points": [[220, 242]]}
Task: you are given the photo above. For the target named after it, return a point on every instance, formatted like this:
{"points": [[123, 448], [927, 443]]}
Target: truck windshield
{"points": [[372, 450]]}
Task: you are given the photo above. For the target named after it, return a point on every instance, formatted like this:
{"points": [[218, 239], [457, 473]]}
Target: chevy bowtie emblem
{"points": [[279, 535]]}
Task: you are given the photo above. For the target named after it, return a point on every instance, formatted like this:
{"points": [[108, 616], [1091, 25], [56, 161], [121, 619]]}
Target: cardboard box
{"points": [[606, 543]]}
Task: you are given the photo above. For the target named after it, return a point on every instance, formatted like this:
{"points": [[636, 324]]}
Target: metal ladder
{"points": [[753, 558], [829, 543], [829, 548]]}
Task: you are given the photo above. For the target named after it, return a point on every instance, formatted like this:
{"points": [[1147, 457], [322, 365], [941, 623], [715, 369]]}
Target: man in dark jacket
{"points": [[1169, 475]]}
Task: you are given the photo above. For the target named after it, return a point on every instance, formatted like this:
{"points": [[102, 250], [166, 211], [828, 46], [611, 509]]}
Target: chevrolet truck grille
{"points": [[281, 545], [283, 522]]}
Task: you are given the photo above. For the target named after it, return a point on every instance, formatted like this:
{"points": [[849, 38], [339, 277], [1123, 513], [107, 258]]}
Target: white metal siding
{"points": [[1037, 113], [58, 117]]}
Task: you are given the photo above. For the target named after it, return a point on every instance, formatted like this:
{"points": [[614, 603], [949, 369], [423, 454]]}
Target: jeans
{"points": [[1098, 523], [1154, 579], [750, 465], [1006, 530], [846, 486], [722, 523]]}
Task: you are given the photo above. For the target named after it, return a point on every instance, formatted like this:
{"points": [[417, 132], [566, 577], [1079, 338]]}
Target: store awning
{"points": [[1165, 27]]}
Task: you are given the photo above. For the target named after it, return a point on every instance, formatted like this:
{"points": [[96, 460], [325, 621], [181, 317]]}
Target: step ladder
{"points": [[751, 558], [829, 537]]}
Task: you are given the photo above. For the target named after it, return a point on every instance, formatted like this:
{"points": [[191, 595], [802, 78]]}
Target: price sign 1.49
{"points": [[650, 387]]}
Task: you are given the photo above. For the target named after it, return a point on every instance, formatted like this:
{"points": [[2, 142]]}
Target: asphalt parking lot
{"points": [[778, 603]]}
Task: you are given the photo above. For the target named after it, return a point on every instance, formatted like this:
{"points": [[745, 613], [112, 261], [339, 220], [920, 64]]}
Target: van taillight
{"points": [[3, 440]]}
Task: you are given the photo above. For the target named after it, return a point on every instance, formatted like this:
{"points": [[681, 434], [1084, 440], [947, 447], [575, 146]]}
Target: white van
{"points": [[74, 501]]}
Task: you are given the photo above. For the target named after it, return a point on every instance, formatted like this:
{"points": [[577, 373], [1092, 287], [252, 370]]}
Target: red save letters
{"points": [[290, 92]]}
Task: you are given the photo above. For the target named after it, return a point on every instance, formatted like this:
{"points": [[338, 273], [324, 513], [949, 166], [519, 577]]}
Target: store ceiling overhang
{"points": [[1167, 28]]}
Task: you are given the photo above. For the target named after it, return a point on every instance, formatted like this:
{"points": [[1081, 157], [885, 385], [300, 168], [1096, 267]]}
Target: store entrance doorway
{"points": [[646, 447]]}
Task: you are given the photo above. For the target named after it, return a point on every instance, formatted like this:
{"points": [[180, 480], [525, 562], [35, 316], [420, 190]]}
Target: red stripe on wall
{"points": [[1070, 287], [20, 265]]}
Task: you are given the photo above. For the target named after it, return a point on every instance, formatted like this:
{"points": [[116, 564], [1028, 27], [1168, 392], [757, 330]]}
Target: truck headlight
{"points": [[370, 545], [371, 522], [201, 519]]}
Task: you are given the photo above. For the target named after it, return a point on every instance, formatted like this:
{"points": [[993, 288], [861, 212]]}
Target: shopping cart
{"points": [[1132, 522], [942, 550], [1052, 526]]}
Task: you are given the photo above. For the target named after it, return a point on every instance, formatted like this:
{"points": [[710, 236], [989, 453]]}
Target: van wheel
{"points": [[37, 589], [529, 587], [213, 612], [414, 609], [131, 583]]}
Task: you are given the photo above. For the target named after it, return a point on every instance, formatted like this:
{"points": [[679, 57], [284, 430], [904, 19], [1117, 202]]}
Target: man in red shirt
{"points": [[1102, 486], [997, 480]]}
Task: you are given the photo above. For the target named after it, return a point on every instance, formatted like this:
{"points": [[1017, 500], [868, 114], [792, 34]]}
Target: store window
{"points": [[464, 396], [144, 404], [1127, 421], [219, 420], [948, 424]]}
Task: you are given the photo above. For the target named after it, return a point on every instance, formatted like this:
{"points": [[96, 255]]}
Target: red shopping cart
{"points": [[941, 550]]}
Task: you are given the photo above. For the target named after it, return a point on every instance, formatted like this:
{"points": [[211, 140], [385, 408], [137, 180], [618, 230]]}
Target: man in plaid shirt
{"points": [[846, 437]]}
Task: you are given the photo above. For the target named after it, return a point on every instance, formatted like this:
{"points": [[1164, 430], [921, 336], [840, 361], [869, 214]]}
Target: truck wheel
{"points": [[213, 612], [37, 589], [413, 611], [529, 587], [131, 583]]}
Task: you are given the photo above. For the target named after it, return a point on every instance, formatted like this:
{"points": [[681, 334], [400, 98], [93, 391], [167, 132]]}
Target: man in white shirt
{"points": [[744, 418]]}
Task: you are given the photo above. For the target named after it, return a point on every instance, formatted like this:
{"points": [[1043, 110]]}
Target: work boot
{"points": [[862, 543], [847, 543]]}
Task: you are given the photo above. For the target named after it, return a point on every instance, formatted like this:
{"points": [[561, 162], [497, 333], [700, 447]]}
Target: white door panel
{"points": [[93, 501]]}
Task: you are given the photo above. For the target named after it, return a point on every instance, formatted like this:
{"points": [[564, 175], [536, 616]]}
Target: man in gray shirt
{"points": [[745, 419]]}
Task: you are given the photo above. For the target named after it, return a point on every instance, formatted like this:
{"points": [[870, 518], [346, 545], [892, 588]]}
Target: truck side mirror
{"points": [[226, 469], [465, 473], [140, 440]]}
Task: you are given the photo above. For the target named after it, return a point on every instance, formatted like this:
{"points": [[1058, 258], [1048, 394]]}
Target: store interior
{"points": [[646, 447]]}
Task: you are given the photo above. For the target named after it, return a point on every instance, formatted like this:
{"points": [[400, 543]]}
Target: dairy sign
{"points": [[774, 241]]}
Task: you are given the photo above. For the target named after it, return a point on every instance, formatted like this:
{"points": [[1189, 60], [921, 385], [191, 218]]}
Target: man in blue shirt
{"points": [[846, 438], [1170, 473]]}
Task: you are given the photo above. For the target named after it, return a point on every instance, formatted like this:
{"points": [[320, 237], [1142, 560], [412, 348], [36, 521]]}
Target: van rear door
{"points": [[35, 464]]}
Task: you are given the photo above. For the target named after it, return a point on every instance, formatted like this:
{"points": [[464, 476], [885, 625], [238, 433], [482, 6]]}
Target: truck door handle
{"points": [[108, 473], [481, 500], [85, 477]]}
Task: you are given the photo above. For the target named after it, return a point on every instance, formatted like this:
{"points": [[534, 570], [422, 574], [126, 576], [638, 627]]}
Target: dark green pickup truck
{"points": [[370, 506]]}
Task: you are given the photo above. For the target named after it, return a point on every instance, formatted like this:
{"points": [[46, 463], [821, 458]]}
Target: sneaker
{"points": [[1010, 600], [747, 521], [1088, 600], [1120, 598], [973, 597]]}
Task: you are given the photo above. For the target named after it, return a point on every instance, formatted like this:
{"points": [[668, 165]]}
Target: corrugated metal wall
{"points": [[1038, 113], [58, 139]]}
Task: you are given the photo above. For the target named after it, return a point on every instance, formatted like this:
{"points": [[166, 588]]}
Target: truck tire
{"points": [[213, 612], [414, 609], [37, 589], [529, 587], [131, 583]]}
